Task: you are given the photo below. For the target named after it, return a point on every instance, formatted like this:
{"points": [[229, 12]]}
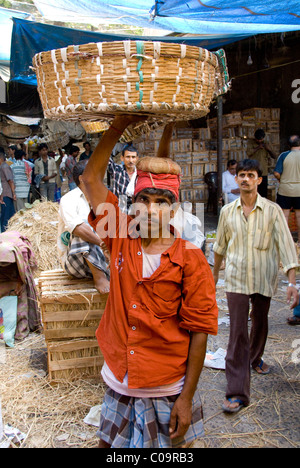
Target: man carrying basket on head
{"points": [[160, 309]]}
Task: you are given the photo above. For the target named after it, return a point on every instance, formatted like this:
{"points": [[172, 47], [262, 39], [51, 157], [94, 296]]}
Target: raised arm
{"points": [[95, 170], [164, 144]]}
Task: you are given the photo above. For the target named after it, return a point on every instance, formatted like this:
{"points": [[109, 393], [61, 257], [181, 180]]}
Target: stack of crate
{"points": [[238, 127], [195, 150], [71, 311]]}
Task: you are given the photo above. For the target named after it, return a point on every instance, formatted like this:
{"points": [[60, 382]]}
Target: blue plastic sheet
{"points": [[190, 17]]}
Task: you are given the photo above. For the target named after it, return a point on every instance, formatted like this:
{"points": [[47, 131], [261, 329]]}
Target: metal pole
{"points": [[219, 149]]}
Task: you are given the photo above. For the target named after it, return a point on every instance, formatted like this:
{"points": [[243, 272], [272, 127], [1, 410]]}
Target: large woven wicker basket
{"points": [[99, 80]]}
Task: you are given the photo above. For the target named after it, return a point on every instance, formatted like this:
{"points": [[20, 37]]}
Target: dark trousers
{"points": [[244, 351], [7, 211]]}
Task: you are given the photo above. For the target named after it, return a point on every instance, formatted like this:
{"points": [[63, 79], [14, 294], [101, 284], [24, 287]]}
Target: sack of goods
{"points": [[96, 81]]}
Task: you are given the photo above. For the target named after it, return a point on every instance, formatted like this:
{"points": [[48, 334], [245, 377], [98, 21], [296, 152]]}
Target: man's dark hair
{"points": [[259, 134], [294, 141], [73, 149], [130, 148], [86, 143], [42, 146], [78, 170], [19, 154], [249, 165], [160, 192], [231, 162]]}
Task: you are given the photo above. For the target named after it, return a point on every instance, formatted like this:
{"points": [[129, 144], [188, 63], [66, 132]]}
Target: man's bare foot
{"points": [[100, 280], [102, 284]]}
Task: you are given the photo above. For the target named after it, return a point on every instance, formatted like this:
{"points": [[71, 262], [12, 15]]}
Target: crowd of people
{"points": [[139, 246]]}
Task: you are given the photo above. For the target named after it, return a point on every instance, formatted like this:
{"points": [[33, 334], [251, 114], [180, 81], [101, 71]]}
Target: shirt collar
{"points": [[258, 204]]}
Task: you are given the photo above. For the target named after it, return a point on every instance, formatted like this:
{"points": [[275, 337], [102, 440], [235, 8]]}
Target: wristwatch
{"points": [[291, 285]]}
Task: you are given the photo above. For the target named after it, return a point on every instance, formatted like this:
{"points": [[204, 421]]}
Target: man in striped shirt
{"points": [[22, 179], [254, 236]]}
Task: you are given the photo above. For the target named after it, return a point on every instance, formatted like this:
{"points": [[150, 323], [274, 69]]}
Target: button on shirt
{"points": [[254, 247], [146, 323]]}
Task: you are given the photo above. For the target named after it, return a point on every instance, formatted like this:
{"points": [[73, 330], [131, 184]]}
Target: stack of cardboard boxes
{"points": [[195, 150]]}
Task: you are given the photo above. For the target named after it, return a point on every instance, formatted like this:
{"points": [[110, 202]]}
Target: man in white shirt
{"points": [[78, 244], [229, 186]]}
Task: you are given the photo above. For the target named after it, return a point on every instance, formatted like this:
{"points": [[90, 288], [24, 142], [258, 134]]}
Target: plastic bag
{"points": [[8, 317]]}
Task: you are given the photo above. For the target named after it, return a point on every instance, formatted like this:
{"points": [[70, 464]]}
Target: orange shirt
{"points": [[145, 327]]}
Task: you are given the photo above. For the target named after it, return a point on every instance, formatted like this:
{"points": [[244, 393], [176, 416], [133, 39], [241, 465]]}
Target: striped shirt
{"points": [[20, 179], [254, 247]]}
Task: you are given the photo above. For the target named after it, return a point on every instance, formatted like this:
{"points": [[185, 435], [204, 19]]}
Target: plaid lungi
{"points": [[128, 422], [78, 250]]}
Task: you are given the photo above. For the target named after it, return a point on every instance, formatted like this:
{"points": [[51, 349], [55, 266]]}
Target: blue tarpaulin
{"points": [[189, 17], [30, 38], [6, 26], [215, 22]]}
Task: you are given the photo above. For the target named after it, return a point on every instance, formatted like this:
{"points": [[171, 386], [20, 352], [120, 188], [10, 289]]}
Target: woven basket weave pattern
{"points": [[96, 79]]}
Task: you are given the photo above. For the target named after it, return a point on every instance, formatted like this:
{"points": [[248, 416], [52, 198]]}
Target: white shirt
{"points": [[74, 210], [228, 184], [188, 226]]}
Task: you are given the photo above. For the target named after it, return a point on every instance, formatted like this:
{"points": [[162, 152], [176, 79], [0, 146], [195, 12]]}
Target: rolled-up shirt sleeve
{"points": [[199, 311]]}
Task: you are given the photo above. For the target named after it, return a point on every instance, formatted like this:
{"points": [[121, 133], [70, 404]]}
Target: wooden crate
{"points": [[200, 157], [200, 193], [186, 195], [70, 307], [75, 359], [257, 114], [273, 126], [186, 170], [197, 170], [232, 120], [71, 311]]}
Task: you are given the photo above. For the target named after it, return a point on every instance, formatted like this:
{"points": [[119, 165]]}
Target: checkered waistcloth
{"points": [[128, 422], [78, 250]]}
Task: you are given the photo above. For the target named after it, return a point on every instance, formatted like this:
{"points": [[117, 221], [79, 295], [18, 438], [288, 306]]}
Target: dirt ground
{"points": [[52, 416]]}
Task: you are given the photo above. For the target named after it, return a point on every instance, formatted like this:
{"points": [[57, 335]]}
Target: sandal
{"points": [[261, 371], [227, 409], [293, 320]]}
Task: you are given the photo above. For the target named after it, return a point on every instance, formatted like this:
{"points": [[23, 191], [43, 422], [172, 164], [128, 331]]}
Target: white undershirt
{"points": [[150, 265]]}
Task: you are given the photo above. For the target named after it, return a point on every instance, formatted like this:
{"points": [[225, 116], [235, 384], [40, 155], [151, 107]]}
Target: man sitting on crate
{"points": [[78, 244], [160, 308]]}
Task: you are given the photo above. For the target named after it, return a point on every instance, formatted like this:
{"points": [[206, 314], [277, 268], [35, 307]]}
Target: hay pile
{"points": [[39, 224], [49, 416]]}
